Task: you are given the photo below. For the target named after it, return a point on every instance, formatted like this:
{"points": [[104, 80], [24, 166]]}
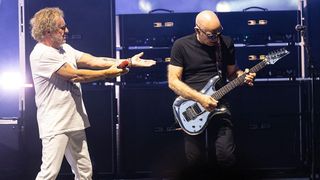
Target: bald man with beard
{"points": [[195, 59]]}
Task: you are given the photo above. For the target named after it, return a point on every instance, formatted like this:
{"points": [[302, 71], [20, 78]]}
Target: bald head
{"points": [[208, 20]]}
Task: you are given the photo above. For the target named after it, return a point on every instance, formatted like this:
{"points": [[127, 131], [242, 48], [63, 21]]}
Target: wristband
{"points": [[130, 62]]}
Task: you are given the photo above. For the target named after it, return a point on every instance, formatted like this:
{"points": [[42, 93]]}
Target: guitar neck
{"points": [[237, 81]]}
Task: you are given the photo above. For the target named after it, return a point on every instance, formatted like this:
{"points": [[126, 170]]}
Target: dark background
{"points": [[273, 119]]}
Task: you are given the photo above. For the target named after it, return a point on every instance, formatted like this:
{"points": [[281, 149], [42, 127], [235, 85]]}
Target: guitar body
{"points": [[191, 116]]}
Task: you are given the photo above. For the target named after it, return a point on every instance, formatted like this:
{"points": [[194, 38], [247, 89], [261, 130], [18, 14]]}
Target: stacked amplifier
{"points": [[154, 35], [147, 126], [255, 34]]}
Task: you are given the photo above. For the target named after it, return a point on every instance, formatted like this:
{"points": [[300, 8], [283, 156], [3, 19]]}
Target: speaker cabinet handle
{"points": [[252, 58], [263, 22], [252, 22]]}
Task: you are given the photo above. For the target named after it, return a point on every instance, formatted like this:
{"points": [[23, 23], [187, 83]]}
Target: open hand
{"points": [[136, 61]]}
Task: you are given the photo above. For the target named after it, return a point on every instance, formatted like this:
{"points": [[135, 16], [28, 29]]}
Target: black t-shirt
{"points": [[198, 60]]}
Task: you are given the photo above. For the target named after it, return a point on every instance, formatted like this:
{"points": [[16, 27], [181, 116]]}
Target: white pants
{"points": [[74, 146]]}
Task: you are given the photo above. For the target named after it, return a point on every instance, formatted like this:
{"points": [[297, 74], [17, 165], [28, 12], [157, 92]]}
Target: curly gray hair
{"points": [[44, 21]]}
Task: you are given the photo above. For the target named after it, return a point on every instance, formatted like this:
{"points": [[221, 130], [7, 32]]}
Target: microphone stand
{"points": [[311, 74], [311, 101]]}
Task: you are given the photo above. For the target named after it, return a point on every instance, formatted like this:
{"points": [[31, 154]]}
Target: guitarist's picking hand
{"points": [[208, 102]]}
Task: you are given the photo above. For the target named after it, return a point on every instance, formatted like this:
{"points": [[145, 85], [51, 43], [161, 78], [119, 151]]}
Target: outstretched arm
{"points": [[85, 75], [92, 62]]}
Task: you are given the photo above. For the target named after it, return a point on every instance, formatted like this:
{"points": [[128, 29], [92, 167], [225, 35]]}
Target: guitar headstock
{"points": [[274, 56]]}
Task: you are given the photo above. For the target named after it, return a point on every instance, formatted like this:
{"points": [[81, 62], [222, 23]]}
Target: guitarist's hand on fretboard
{"points": [[249, 77]]}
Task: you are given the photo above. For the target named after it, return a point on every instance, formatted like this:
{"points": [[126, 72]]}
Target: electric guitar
{"points": [[193, 118]]}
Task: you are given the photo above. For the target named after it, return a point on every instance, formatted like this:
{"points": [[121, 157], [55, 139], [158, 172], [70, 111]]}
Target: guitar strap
{"points": [[221, 68], [219, 63]]}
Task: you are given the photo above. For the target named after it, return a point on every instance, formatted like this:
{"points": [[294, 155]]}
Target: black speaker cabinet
{"points": [[261, 27], [287, 67], [253, 27], [157, 30], [100, 104], [11, 166], [90, 24], [149, 143], [312, 14], [269, 129]]}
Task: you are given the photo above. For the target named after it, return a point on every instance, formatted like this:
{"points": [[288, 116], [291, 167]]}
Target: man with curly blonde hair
{"points": [[57, 71]]}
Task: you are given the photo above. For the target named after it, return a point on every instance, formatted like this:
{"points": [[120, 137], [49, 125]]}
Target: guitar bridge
{"points": [[192, 112]]}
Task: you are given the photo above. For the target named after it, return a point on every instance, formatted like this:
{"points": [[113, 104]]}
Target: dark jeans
{"points": [[210, 152], [214, 145]]}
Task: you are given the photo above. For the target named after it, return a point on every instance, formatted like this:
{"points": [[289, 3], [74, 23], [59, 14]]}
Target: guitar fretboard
{"points": [[238, 81]]}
